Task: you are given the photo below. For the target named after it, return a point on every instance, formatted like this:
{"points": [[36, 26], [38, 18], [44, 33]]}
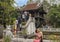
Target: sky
{"points": [[23, 2], [20, 2]]}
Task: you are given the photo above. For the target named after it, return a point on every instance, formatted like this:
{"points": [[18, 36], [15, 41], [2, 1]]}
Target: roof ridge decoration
{"points": [[38, 4]]}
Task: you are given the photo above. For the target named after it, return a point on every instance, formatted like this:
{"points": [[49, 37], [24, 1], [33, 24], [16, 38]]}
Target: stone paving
{"points": [[21, 40], [27, 40]]}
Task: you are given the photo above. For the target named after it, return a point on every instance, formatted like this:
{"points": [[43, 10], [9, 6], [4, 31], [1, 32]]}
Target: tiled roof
{"points": [[31, 6]]}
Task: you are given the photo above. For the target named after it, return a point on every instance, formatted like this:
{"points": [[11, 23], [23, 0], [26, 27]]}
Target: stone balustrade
{"points": [[50, 29]]}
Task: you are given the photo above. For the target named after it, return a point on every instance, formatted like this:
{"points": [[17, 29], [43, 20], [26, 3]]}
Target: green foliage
{"points": [[6, 10], [52, 37], [54, 15], [7, 39], [23, 23]]}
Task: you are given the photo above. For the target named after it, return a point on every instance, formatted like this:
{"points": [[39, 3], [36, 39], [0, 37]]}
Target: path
{"points": [[27, 40]]}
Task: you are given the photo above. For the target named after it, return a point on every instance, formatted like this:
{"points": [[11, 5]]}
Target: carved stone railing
{"points": [[50, 29]]}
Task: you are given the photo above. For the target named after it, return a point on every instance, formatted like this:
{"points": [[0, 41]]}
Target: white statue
{"points": [[30, 25], [8, 32]]}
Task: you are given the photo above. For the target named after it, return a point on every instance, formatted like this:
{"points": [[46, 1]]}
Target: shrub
{"points": [[7, 39], [23, 23]]}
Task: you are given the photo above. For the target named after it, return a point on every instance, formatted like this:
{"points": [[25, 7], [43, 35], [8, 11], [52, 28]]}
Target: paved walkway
{"points": [[27, 40], [21, 40]]}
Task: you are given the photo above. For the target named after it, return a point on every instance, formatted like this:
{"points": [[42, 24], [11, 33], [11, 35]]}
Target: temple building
{"points": [[36, 9]]}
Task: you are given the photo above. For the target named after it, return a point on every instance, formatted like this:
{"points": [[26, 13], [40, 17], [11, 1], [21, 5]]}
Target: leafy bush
{"points": [[7, 39], [23, 23], [53, 16], [53, 37]]}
